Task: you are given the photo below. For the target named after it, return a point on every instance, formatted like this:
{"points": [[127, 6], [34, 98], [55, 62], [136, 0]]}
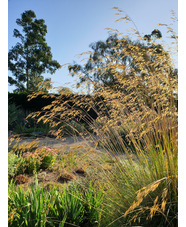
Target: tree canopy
{"points": [[123, 53], [31, 56], [114, 64]]}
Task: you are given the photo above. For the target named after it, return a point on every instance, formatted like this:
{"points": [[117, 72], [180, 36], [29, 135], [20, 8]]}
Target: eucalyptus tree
{"points": [[122, 53], [31, 56], [114, 63]]}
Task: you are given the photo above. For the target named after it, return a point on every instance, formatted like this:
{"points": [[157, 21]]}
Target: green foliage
{"points": [[31, 57], [30, 158], [56, 207], [12, 114], [48, 156], [116, 51], [13, 164], [21, 99], [137, 195], [27, 209], [20, 129], [64, 90], [73, 128], [94, 203], [29, 165], [41, 158], [15, 115]]}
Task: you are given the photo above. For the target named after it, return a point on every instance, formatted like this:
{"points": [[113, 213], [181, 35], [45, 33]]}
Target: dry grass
{"points": [[136, 127]]}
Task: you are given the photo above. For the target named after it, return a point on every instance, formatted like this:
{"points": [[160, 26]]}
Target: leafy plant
{"points": [[32, 157], [13, 164], [41, 158], [61, 207]]}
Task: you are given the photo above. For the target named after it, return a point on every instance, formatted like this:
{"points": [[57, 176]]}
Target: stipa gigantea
{"points": [[135, 99]]}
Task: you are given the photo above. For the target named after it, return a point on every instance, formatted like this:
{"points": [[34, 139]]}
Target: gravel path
{"points": [[56, 143], [65, 143]]}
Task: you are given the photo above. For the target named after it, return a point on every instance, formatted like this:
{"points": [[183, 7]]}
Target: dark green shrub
{"points": [[20, 129], [15, 115], [29, 165], [47, 161], [13, 164]]}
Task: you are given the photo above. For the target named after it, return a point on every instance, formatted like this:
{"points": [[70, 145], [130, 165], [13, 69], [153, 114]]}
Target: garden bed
{"points": [[47, 177]]}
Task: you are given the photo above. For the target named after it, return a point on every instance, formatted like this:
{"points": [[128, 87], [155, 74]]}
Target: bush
{"points": [[40, 158], [13, 164], [30, 157], [15, 115], [29, 165]]}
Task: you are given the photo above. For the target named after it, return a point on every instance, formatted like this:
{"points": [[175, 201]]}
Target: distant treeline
{"points": [[37, 103]]}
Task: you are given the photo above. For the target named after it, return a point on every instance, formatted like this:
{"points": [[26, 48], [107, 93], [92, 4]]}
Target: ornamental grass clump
{"points": [[134, 95]]}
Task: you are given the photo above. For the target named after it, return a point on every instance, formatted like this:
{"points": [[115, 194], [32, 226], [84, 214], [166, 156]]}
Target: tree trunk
{"points": [[27, 76]]}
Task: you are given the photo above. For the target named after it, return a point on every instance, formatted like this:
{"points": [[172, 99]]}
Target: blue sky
{"points": [[74, 24]]}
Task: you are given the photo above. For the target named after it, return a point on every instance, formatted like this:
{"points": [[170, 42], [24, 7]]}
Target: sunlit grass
{"points": [[135, 132]]}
